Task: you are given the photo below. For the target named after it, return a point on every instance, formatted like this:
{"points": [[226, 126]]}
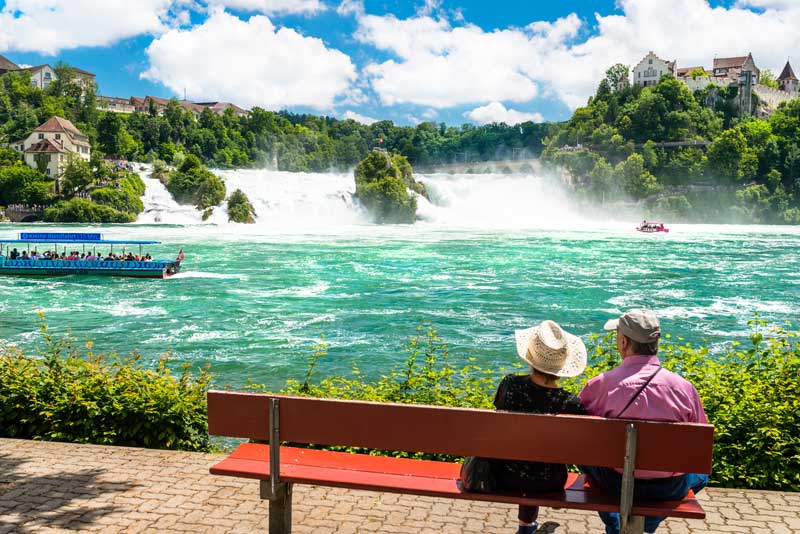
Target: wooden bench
{"points": [[627, 444]]}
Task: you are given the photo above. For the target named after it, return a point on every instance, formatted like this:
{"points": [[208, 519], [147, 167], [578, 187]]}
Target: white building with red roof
{"points": [[650, 70], [52, 144]]}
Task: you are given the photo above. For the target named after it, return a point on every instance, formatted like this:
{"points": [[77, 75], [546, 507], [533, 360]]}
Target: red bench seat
{"points": [[423, 477]]}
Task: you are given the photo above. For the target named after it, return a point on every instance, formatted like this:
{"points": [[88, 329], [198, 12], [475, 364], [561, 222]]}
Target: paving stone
{"points": [[67, 488]]}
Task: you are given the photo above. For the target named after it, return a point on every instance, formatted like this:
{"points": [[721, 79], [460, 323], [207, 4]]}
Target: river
{"points": [[492, 253]]}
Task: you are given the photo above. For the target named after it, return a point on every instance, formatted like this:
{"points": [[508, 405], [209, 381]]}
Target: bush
{"points": [[63, 395], [81, 210], [240, 209], [382, 184], [749, 395], [193, 184], [19, 184]]}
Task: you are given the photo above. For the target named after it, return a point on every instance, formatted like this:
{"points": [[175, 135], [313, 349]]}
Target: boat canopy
{"points": [[76, 238]]}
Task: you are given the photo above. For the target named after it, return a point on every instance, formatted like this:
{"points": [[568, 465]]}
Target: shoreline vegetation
{"points": [[661, 151], [68, 392]]}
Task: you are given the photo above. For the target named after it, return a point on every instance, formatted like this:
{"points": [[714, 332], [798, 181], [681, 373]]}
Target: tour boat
{"points": [[92, 244], [651, 227]]}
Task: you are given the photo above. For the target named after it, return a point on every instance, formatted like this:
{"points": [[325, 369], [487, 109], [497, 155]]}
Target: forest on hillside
{"points": [[742, 169], [282, 140]]}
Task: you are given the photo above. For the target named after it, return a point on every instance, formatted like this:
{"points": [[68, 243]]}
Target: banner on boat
{"points": [[59, 237]]}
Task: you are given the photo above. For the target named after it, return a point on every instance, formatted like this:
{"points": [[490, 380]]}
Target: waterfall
{"points": [[285, 200]]}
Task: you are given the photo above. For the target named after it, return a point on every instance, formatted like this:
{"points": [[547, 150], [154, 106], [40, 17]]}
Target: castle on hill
{"points": [[741, 72]]}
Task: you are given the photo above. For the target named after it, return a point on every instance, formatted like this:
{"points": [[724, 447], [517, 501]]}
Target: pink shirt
{"points": [[668, 397]]}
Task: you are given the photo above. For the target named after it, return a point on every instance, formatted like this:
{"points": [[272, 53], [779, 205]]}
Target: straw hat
{"points": [[549, 349]]}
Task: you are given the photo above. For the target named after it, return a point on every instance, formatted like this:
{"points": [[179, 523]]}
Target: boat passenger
{"points": [[14, 254], [24, 255]]}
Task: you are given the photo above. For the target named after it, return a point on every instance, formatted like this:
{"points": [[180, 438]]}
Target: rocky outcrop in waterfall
{"points": [[383, 185]]}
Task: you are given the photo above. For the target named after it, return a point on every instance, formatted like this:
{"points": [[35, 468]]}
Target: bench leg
{"points": [[635, 525], [280, 507]]}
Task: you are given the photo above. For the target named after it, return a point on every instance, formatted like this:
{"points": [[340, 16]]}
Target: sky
{"points": [[410, 61]]}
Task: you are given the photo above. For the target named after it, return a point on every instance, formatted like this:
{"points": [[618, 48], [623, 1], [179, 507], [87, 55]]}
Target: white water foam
{"points": [[492, 201], [312, 201], [160, 207], [296, 200]]}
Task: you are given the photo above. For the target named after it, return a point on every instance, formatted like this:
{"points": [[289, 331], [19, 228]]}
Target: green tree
{"points": [[617, 77], [382, 186], [636, 180], [725, 154], [240, 209], [19, 184], [77, 177], [110, 132], [768, 79]]}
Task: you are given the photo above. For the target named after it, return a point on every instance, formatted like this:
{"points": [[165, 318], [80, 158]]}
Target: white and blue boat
{"points": [[28, 262]]}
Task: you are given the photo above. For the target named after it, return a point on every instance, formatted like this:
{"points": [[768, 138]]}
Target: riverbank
{"points": [[64, 488]]}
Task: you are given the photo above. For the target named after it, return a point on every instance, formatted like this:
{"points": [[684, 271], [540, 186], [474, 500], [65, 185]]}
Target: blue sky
{"points": [[408, 61]]}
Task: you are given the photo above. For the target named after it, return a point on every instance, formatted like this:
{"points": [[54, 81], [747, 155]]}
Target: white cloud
{"points": [[48, 26], [363, 119], [351, 7], [270, 7], [439, 65], [250, 62], [497, 112]]}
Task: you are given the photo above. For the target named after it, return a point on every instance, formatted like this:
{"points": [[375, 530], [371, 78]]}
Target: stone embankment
{"points": [[67, 488]]}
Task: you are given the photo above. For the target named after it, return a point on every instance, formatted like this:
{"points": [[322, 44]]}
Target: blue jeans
{"points": [[659, 489]]}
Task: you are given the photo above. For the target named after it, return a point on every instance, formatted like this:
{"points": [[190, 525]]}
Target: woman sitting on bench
{"points": [[551, 354]]}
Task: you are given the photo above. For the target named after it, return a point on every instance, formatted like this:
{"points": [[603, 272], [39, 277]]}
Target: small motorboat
{"points": [[652, 227]]}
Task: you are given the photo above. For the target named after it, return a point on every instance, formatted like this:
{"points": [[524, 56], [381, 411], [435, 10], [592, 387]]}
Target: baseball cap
{"points": [[639, 325]]}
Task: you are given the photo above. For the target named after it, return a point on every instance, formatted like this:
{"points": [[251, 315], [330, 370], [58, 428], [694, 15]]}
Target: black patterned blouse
{"points": [[517, 393]]}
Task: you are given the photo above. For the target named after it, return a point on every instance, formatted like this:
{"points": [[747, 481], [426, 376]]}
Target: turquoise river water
{"points": [[492, 254]]}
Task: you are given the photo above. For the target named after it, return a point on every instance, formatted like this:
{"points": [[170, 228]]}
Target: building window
{"points": [[41, 136], [46, 75], [650, 61], [58, 136], [47, 171]]}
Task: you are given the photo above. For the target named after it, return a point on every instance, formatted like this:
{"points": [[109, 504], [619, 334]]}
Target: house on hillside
{"points": [[115, 104], [41, 75], [220, 107], [52, 144], [732, 68], [695, 77], [44, 75], [142, 105], [650, 70], [6, 65]]}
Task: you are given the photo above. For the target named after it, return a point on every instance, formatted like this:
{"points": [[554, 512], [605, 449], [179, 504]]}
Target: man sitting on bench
{"points": [[639, 388]]}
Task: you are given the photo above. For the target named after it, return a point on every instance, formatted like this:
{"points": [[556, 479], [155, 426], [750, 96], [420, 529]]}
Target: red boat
{"points": [[652, 227]]}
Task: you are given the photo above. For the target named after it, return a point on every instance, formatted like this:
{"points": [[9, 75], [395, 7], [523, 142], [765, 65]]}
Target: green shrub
{"points": [[749, 394], [123, 200], [81, 210], [63, 395], [240, 209], [382, 184], [193, 184]]}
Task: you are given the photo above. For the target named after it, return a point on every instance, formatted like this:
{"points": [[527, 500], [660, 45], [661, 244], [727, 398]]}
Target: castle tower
{"points": [[787, 81]]}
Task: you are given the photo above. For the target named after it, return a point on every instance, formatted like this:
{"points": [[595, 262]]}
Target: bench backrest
{"points": [[679, 447]]}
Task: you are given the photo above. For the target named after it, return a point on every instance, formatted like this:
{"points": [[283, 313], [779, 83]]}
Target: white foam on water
{"points": [[201, 274]]}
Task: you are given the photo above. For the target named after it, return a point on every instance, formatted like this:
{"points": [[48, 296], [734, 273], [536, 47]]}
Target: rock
{"points": [[383, 185], [240, 209]]}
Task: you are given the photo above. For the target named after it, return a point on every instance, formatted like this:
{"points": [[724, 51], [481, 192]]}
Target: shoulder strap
{"points": [[639, 392]]}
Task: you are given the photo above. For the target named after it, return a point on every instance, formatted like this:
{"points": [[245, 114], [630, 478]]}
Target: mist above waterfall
{"points": [[284, 200]]}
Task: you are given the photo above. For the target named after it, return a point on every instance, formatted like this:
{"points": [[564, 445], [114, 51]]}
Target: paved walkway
{"points": [[58, 487]]}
